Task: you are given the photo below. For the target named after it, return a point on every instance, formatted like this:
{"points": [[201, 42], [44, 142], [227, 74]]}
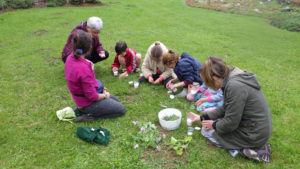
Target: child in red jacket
{"points": [[127, 58]]}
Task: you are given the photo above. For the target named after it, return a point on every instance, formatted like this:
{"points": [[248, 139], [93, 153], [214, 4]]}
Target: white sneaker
{"points": [[183, 93]]}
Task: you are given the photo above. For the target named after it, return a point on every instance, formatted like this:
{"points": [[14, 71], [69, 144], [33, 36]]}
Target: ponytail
{"points": [[156, 50], [81, 43]]}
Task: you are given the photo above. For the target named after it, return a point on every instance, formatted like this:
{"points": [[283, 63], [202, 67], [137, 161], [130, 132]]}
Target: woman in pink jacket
{"points": [[86, 91]]}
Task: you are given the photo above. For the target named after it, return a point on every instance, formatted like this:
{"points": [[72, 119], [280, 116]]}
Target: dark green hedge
{"points": [[76, 2], [20, 3], [288, 21], [53, 3]]}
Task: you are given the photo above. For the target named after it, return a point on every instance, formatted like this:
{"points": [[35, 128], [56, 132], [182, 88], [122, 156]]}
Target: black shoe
{"points": [[84, 118]]}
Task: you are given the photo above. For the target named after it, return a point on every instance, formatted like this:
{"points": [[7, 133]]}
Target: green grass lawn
{"points": [[33, 87]]}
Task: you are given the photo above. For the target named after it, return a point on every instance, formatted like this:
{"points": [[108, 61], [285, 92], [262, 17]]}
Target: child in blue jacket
{"points": [[186, 69]]}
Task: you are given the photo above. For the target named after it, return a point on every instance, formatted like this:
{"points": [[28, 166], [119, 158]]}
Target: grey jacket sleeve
{"points": [[217, 113], [234, 103]]}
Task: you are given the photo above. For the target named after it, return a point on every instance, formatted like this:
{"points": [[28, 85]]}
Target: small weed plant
{"points": [[180, 145]]}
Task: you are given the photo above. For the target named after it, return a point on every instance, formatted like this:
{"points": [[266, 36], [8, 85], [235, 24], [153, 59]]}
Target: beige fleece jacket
{"points": [[149, 65]]}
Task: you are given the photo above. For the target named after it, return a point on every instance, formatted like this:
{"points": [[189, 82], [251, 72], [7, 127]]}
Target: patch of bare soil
{"points": [[40, 32], [167, 155]]}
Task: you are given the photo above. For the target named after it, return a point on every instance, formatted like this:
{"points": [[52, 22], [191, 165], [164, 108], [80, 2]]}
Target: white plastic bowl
{"points": [[169, 125]]}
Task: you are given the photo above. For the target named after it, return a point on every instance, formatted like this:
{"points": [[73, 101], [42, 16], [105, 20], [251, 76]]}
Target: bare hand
{"points": [[157, 81], [101, 55], [207, 124], [195, 117], [107, 94], [114, 69], [200, 101], [151, 80], [122, 75], [169, 83], [172, 87]]}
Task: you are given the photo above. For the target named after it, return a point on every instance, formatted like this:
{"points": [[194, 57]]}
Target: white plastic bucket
{"points": [[169, 125]]}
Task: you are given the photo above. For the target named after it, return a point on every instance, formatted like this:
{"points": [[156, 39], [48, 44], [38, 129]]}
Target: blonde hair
{"points": [[213, 66], [170, 57]]}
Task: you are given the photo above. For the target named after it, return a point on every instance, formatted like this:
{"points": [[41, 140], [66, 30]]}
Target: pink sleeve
{"points": [[88, 86]]}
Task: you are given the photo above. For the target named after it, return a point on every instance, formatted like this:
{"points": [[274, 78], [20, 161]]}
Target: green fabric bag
{"points": [[93, 134]]}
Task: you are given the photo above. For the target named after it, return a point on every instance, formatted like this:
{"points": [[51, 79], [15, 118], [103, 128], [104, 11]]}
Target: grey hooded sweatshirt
{"points": [[244, 120]]}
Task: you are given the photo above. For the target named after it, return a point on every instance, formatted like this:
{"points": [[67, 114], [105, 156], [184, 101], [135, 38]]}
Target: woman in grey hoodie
{"points": [[243, 124]]}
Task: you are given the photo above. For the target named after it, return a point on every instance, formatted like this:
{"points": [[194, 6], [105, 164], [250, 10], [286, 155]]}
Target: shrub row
{"points": [[20, 3], [288, 21], [79, 2], [50, 3], [3, 4], [53, 3]]}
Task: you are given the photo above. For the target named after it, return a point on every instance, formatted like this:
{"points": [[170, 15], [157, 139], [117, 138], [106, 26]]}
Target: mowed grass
{"points": [[33, 87]]}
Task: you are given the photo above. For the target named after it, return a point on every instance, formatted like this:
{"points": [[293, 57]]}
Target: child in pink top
{"points": [[84, 86]]}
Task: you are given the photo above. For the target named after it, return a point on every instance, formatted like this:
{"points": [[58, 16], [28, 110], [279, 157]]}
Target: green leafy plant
{"points": [[171, 118], [147, 136], [21, 3], [180, 145], [3, 4], [287, 21]]}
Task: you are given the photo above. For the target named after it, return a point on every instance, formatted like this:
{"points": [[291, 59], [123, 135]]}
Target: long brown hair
{"points": [[81, 43], [213, 66]]}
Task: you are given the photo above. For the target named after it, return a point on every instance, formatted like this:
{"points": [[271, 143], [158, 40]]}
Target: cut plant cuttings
{"points": [[171, 118]]}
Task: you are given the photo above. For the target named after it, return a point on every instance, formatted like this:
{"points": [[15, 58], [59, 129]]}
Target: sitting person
{"points": [[91, 100], [153, 70], [186, 69], [206, 99], [127, 58], [243, 124], [92, 27]]}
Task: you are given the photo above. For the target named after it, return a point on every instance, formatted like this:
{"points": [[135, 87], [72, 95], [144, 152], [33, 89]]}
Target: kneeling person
{"points": [[127, 58], [93, 27]]}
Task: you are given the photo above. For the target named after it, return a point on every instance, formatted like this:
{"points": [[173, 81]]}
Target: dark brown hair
{"points": [[120, 47], [81, 43], [213, 66], [156, 50], [170, 57]]}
